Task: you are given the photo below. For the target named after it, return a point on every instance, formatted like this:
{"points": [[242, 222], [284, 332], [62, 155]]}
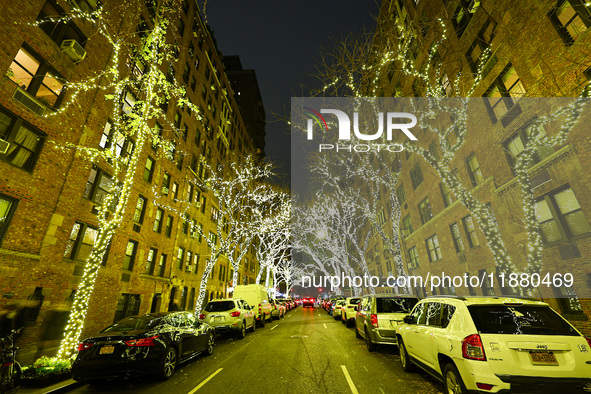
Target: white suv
{"points": [[495, 344]]}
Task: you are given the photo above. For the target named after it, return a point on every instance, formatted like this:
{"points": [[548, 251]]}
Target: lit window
{"points": [[571, 18], [140, 209], [149, 169], [407, 224], [504, 93], [81, 241], [516, 144], [159, 216], [433, 249], [180, 258], [165, 184], [560, 216], [470, 229], [151, 261], [130, 252], [98, 186], [480, 44], [168, 229], [474, 170]]}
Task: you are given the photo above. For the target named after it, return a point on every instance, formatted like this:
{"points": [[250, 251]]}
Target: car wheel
{"points": [[210, 343], [452, 381], [404, 358], [371, 347], [242, 332], [263, 318], [168, 363]]}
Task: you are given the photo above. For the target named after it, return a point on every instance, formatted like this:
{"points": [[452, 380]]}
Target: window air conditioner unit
{"points": [[404, 233], [4, 145], [74, 50]]}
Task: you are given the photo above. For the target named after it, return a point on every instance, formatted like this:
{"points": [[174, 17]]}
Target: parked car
{"points": [[495, 344], [348, 311], [308, 301], [378, 317], [257, 297], [234, 315], [277, 309], [154, 343], [336, 311]]}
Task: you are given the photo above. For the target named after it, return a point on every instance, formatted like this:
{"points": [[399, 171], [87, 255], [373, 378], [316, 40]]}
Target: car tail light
{"points": [[588, 341], [374, 320], [235, 314], [472, 348], [202, 316], [142, 342], [484, 386], [83, 346], [8, 363]]}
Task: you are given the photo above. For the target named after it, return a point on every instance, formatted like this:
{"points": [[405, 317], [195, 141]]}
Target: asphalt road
{"points": [[305, 352]]}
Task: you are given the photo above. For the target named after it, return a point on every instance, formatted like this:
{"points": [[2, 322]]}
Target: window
{"points": [[34, 76], [568, 301], [480, 44], [162, 265], [7, 208], [504, 93], [203, 202], [189, 266], [445, 194], [158, 220], [462, 16], [98, 185], [425, 210], [400, 194], [214, 214], [186, 224], [560, 216], [62, 30], [474, 170], [168, 229], [416, 176], [129, 101], [571, 18], [81, 241], [213, 238], [149, 169], [413, 255], [407, 224], [470, 229], [433, 249], [175, 191], [200, 232], [151, 261], [24, 141], [193, 229], [165, 184], [516, 144], [180, 257], [140, 210], [434, 314], [110, 139], [457, 237], [130, 252]]}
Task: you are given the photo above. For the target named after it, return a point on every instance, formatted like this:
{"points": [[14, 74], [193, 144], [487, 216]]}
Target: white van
{"points": [[257, 297]]}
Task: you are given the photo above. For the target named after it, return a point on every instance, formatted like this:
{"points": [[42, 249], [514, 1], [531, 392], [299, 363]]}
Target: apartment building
{"points": [[50, 192]]}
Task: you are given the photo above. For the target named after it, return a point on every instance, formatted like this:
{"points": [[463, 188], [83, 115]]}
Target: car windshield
{"points": [[522, 319], [219, 306], [134, 323], [395, 305]]}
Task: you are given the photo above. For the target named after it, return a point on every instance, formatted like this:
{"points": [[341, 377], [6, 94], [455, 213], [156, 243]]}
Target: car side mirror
{"points": [[408, 319]]}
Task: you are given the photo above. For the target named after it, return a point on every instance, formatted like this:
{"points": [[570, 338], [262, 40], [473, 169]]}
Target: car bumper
{"points": [[378, 338], [97, 370]]}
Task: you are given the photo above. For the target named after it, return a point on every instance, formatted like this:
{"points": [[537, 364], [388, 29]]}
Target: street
{"points": [[305, 352]]}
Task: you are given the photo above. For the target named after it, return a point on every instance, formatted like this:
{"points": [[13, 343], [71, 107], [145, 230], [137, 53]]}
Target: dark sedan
{"points": [[153, 343]]}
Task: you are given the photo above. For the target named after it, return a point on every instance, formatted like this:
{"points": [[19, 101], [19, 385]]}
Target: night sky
{"points": [[281, 41]]}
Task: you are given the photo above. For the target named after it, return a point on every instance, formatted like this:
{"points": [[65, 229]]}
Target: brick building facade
{"points": [[49, 193], [538, 49]]}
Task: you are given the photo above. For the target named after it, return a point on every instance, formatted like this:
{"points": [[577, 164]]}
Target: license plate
{"points": [[218, 318], [542, 358], [107, 349]]}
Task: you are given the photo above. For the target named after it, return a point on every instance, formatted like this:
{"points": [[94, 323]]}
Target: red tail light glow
{"points": [[202, 316], [8, 363], [374, 320], [588, 341], [484, 386], [235, 314], [472, 348], [142, 342], [83, 346]]}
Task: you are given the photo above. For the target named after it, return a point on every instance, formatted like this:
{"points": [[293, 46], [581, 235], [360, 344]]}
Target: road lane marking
{"points": [[324, 325], [381, 390], [273, 327], [365, 369], [351, 385], [353, 351], [205, 381]]}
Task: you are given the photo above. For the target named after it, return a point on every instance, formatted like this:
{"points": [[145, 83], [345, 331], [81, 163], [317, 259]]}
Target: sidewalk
{"points": [[61, 387]]}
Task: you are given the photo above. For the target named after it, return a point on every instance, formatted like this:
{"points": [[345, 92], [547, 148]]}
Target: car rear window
{"points": [[219, 306], [354, 301], [395, 305], [524, 319], [134, 323]]}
